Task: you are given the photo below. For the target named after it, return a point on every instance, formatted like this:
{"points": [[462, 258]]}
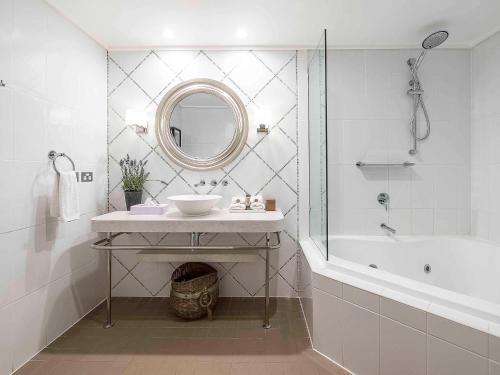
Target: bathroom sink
{"points": [[195, 204]]}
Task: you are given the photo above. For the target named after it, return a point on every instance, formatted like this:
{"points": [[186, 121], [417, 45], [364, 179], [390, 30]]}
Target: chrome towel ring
{"points": [[54, 155]]}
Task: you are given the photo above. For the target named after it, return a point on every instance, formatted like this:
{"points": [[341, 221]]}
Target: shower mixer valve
{"points": [[383, 199]]}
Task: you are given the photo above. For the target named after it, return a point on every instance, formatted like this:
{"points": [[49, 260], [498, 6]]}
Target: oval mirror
{"points": [[201, 124]]}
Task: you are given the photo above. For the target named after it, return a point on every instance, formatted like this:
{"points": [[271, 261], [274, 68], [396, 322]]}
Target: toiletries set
{"points": [[254, 203]]}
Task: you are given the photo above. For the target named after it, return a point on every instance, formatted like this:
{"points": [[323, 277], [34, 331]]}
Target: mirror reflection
{"points": [[202, 125]]}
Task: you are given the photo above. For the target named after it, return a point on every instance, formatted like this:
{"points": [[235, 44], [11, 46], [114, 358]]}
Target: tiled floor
{"points": [[148, 339]]}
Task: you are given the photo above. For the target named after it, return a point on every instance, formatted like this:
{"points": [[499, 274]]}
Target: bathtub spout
{"points": [[388, 228]]}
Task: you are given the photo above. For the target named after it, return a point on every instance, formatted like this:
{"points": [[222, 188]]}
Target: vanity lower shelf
{"points": [[242, 256]]}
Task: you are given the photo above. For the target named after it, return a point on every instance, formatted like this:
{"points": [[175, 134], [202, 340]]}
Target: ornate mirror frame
{"points": [[167, 106]]}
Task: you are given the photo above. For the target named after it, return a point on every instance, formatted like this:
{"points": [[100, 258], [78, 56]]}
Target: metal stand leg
{"points": [[109, 254], [267, 325]]}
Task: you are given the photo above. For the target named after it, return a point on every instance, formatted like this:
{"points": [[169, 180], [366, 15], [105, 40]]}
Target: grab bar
{"points": [[404, 164]]}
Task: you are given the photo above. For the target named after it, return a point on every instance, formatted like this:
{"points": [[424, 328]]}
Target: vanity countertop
{"points": [[218, 221]]}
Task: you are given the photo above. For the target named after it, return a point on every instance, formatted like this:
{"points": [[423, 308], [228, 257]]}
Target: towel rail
{"points": [[54, 155]]}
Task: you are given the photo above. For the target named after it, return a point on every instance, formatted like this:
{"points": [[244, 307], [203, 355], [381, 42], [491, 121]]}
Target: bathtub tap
{"points": [[388, 228]]}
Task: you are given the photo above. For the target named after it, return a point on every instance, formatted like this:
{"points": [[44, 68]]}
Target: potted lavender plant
{"points": [[133, 178]]}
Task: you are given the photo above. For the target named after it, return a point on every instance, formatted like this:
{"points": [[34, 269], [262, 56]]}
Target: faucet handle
{"points": [[201, 183], [213, 183], [383, 199]]}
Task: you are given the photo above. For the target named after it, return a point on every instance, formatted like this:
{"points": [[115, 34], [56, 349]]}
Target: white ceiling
{"points": [[129, 24]]}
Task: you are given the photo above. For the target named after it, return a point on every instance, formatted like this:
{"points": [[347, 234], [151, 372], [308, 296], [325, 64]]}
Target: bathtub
{"points": [[449, 284], [459, 273]]}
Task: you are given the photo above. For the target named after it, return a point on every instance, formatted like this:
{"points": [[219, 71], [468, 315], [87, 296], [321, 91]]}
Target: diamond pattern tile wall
{"points": [[265, 81]]}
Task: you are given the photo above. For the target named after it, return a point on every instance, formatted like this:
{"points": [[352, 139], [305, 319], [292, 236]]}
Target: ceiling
{"points": [[131, 24]]}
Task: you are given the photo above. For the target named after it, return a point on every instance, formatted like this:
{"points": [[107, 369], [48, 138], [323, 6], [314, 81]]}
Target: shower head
{"points": [[432, 41], [435, 39]]}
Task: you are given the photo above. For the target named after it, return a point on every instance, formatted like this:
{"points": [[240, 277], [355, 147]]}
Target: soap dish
{"points": [[143, 209]]}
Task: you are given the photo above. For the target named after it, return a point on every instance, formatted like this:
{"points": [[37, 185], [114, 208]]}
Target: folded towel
{"points": [[69, 204], [237, 206], [256, 199], [238, 200], [257, 206]]}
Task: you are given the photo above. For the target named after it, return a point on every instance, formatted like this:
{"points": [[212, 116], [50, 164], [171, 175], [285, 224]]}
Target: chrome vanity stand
{"points": [[142, 223]]}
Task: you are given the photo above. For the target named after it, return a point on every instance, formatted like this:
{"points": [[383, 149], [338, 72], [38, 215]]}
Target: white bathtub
{"points": [[463, 284], [399, 317]]}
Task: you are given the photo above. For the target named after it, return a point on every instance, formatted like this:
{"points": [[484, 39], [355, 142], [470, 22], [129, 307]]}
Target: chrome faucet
{"points": [[384, 199], [388, 228]]}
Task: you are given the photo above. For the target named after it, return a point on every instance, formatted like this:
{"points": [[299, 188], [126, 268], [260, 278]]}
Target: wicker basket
{"points": [[195, 289]]}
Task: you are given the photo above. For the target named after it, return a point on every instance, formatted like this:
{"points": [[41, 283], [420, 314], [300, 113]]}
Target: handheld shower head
{"points": [[432, 41], [435, 39]]}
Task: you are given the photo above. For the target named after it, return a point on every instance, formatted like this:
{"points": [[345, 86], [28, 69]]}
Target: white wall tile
{"points": [[28, 324], [30, 127], [485, 140], [369, 110], [29, 45], [423, 221], [267, 165], [445, 221], [6, 349], [55, 97], [7, 128]]}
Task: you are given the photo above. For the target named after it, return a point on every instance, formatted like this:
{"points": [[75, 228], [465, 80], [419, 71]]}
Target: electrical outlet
{"points": [[86, 176]]}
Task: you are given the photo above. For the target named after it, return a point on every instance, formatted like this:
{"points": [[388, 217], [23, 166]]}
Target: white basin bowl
{"points": [[195, 204]]}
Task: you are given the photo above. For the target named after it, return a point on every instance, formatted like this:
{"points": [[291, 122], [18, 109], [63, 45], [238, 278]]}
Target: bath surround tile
{"points": [[361, 298], [494, 368], [447, 359], [494, 348], [403, 350], [402, 313], [327, 284], [328, 329], [361, 340], [458, 334]]}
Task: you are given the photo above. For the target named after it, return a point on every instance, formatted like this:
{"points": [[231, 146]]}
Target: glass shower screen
{"points": [[318, 182]]}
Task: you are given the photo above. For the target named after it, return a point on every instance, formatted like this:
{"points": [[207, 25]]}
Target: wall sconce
{"points": [[263, 128], [138, 120], [263, 118]]}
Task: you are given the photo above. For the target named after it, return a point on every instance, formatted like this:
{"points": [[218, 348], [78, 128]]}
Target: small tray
{"points": [[142, 209]]}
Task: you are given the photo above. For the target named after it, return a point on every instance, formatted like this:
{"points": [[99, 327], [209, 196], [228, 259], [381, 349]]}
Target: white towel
{"points": [[256, 199], [238, 200], [257, 206], [65, 202], [237, 206]]}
